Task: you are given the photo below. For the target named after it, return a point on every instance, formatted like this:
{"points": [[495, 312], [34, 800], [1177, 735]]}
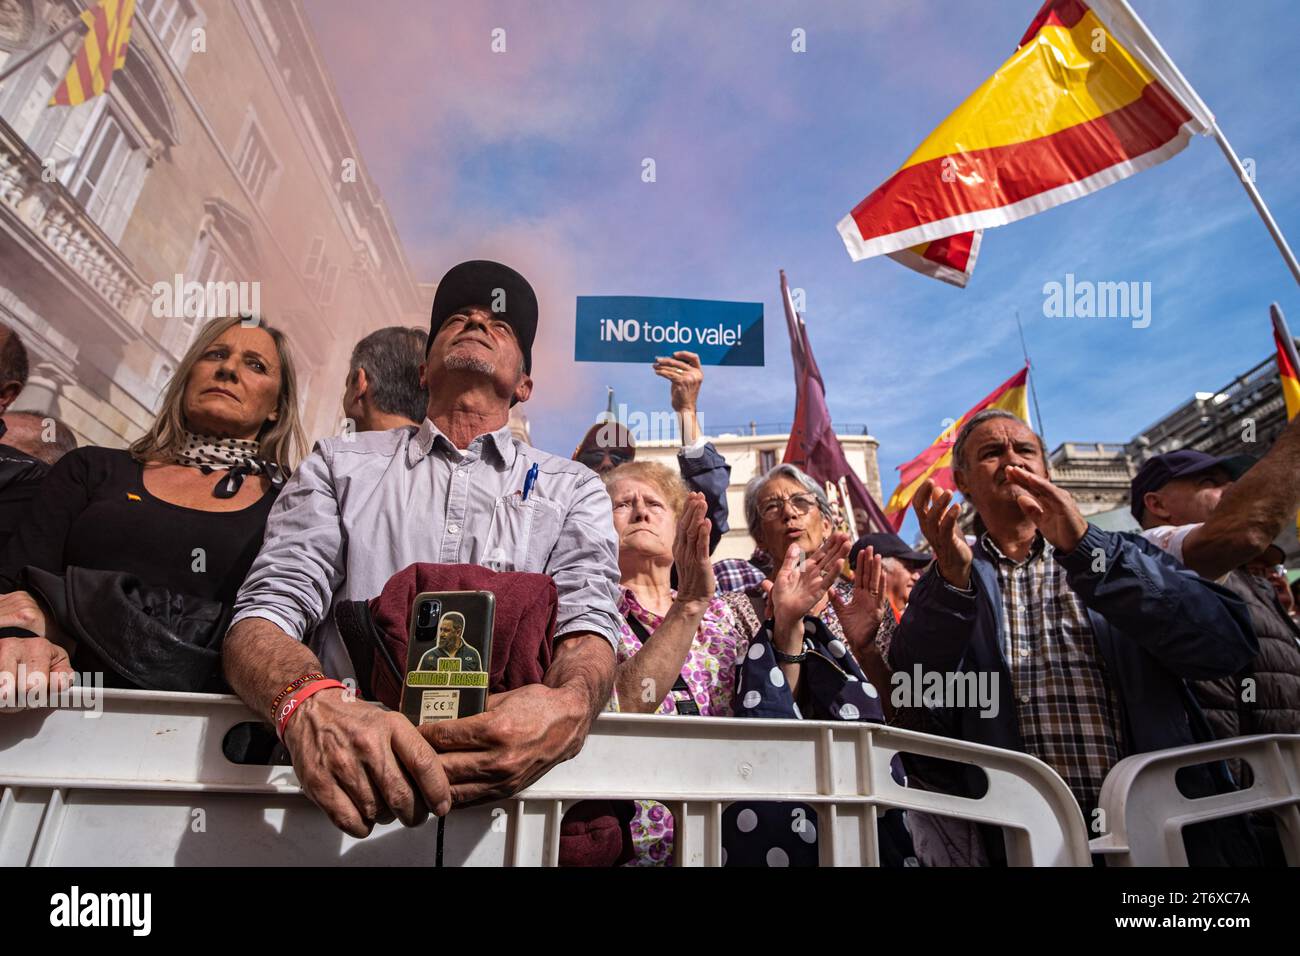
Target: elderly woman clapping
{"points": [[816, 647], [679, 648], [824, 637]]}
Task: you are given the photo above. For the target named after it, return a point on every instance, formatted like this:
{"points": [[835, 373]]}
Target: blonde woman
{"points": [[182, 510]]}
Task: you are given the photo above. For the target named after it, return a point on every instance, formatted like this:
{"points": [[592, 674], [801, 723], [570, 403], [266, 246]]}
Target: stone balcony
{"points": [[50, 226]]}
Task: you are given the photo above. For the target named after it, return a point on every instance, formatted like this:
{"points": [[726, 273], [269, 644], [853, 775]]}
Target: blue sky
{"points": [[533, 156]]}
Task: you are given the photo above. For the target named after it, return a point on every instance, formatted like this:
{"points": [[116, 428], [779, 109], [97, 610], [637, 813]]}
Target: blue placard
{"points": [[634, 328]]}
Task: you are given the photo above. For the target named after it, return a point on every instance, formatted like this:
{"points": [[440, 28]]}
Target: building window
{"points": [[108, 176], [766, 460], [315, 256], [321, 275], [173, 21], [97, 148], [328, 285], [254, 161]]}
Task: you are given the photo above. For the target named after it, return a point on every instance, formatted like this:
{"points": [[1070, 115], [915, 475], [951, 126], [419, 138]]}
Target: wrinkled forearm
{"points": [[584, 666], [260, 660], [1251, 512]]}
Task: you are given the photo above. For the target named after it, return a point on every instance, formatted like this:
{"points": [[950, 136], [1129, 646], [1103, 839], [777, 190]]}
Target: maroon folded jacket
{"points": [[522, 635], [594, 832]]}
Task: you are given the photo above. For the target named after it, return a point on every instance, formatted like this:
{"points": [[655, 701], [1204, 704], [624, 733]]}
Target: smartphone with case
{"points": [[448, 656]]}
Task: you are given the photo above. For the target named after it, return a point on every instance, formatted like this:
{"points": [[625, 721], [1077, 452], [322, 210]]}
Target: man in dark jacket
{"points": [[20, 473], [1087, 636], [1218, 518]]}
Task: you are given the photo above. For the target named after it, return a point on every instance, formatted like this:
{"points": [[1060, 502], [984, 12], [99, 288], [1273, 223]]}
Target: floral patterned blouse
{"points": [[710, 673], [710, 667]]}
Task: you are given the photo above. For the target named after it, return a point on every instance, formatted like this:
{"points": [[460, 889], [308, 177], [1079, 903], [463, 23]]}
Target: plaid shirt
{"points": [[737, 574], [1068, 716]]}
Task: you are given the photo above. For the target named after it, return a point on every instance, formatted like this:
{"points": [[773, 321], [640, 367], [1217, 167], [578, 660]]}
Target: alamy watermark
{"points": [[1085, 299], [643, 427], [77, 909], [205, 300], [33, 692], [945, 689]]}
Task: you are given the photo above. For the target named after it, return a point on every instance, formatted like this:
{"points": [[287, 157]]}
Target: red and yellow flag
{"points": [[1290, 379], [1087, 99], [102, 52], [936, 461], [1287, 370]]}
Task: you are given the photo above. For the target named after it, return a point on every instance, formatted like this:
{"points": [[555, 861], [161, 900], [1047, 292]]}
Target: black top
{"points": [[20, 476], [93, 511]]}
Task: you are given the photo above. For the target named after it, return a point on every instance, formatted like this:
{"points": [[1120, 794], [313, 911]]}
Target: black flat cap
{"points": [[492, 286], [887, 546]]}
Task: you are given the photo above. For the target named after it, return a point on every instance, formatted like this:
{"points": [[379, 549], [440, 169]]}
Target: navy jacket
{"points": [[708, 473], [1156, 623]]}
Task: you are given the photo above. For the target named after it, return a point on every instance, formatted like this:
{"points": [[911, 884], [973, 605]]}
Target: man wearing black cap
{"points": [[459, 489], [1219, 518], [902, 567]]}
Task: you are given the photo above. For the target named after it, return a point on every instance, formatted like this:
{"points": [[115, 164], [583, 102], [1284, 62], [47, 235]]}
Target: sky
{"points": [[533, 156]]}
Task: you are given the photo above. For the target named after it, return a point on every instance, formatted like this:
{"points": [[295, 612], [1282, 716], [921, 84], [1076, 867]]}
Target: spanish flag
{"points": [[1087, 99], [1288, 367], [102, 52], [1286, 363], [936, 461]]}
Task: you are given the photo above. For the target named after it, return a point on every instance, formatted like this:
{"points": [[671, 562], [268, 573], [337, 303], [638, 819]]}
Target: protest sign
{"points": [[626, 328]]}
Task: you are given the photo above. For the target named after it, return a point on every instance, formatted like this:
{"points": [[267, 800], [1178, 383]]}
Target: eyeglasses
{"points": [[802, 504], [593, 458]]}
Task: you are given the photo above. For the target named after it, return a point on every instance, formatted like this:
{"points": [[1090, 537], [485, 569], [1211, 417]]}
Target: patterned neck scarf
{"points": [[236, 455]]}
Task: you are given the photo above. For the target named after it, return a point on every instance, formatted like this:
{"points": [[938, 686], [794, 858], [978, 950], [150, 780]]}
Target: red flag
{"points": [[813, 445]]}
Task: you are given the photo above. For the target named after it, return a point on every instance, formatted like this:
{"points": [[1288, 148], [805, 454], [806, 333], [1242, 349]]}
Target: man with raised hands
{"points": [[1089, 636]]}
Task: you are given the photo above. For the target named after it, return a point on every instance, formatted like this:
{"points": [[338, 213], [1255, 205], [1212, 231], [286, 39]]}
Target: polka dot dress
{"points": [[834, 688]]}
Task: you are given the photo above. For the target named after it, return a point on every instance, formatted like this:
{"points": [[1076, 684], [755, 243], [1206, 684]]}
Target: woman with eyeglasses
{"points": [[816, 648]]}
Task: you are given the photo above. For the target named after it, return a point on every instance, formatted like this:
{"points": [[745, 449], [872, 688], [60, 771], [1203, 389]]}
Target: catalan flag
{"points": [[936, 461], [1087, 99], [102, 52]]}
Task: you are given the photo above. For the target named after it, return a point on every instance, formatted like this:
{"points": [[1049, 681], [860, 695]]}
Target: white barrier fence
{"points": [[147, 783], [1145, 813]]}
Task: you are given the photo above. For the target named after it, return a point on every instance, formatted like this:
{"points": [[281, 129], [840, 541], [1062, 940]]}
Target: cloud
{"points": [[534, 156]]}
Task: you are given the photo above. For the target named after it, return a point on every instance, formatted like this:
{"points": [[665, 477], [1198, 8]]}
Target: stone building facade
{"points": [[219, 156]]}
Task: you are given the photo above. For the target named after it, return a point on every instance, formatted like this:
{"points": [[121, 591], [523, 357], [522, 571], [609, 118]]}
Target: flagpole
{"points": [[1033, 390], [27, 57], [1246, 181]]}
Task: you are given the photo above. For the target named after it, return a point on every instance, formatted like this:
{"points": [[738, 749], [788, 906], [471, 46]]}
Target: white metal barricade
{"points": [[1145, 813], [147, 783]]}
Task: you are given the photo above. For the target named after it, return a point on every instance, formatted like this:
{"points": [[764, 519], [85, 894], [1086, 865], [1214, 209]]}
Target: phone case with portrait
{"points": [[448, 656]]}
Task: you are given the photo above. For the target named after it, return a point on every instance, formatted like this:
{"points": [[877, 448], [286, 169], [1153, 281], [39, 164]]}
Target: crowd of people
{"points": [[212, 554]]}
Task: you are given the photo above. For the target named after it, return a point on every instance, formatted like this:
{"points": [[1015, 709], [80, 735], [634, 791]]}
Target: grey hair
{"points": [[752, 519], [392, 358], [988, 414]]}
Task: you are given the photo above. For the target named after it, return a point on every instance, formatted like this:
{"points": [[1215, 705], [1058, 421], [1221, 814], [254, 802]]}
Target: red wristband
{"points": [[293, 686], [298, 698]]}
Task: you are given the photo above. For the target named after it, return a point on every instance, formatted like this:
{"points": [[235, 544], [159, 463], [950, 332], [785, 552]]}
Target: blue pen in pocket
{"points": [[529, 480]]}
